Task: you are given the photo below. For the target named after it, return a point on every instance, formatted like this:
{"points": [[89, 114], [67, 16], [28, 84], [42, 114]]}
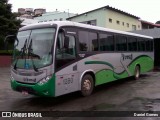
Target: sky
{"points": [[148, 10]]}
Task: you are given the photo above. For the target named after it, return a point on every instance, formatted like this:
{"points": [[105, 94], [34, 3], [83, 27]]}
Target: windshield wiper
{"points": [[22, 52], [29, 54]]}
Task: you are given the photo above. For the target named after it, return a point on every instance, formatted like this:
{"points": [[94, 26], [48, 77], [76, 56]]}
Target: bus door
{"points": [[65, 63]]}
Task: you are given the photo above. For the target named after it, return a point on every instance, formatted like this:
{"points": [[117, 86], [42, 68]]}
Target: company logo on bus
{"points": [[29, 80], [126, 57]]}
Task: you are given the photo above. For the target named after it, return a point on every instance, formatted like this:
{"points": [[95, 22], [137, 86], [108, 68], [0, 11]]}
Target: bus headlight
{"points": [[44, 80], [12, 78]]}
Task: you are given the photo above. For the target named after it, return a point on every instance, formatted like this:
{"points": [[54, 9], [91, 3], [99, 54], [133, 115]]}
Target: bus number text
{"points": [[68, 81]]}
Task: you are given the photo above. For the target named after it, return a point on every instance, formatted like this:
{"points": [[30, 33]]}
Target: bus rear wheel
{"points": [[87, 85], [137, 72]]}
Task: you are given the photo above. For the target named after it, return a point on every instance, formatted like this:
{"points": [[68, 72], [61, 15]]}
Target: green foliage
{"points": [[9, 25], [6, 52]]}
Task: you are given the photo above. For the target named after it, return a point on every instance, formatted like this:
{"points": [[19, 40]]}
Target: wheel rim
{"points": [[87, 85]]}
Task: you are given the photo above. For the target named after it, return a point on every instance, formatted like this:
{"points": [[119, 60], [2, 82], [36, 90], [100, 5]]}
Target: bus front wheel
{"points": [[137, 72], [87, 85]]}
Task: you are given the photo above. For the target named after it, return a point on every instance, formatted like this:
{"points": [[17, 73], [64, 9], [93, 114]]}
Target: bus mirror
{"points": [[66, 42], [62, 31]]}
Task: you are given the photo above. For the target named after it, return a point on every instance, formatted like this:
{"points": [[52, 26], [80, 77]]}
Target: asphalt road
{"points": [[122, 95]]}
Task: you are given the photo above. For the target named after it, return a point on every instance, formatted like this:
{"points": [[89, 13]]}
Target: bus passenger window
{"points": [[83, 41], [132, 44], [106, 42], [141, 45], [149, 45], [94, 41], [121, 43]]}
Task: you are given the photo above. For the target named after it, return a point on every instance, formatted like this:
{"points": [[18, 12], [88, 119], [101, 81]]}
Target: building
{"points": [[26, 21], [26, 16], [39, 11], [109, 17], [54, 16], [149, 25], [29, 11], [25, 13], [21, 11]]}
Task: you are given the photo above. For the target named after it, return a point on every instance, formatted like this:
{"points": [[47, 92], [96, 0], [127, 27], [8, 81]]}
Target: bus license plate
{"points": [[24, 92]]}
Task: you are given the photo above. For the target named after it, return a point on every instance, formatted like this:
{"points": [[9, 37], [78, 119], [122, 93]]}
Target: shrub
{"points": [[6, 52]]}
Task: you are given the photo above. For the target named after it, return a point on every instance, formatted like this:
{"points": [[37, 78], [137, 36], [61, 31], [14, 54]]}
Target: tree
{"points": [[8, 22]]}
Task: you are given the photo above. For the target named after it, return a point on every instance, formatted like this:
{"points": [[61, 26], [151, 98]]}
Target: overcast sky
{"points": [[148, 10]]}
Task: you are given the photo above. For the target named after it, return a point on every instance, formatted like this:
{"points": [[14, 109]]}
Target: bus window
{"points": [[121, 43], [106, 42], [141, 44], [94, 41], [149, 45], [65, 50], [83, 41], [132, 44], [69, 45]]}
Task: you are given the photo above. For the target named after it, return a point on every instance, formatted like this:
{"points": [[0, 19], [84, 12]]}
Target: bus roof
{"points": [[70, 23]]}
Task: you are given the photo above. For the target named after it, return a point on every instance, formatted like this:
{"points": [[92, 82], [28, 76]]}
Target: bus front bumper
{"points": [[47, 89]]}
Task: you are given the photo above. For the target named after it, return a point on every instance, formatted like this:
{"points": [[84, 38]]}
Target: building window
{"points": [[55, 19], [91, 22], [110, 20], [118, 22], [138, 26], [127, 24], [61, 19], [123, 23], [133, 27]]}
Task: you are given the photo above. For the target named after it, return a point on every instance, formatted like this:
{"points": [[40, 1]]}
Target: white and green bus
{"points": [[56, 58]]}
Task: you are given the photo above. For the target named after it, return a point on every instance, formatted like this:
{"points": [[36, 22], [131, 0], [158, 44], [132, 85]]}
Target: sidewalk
{"points": [[4, 74]]}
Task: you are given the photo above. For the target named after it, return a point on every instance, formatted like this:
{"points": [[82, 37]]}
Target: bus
{"points": [[60, 57]]}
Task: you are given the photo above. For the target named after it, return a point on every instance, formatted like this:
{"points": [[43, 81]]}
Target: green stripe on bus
{"points": [[108, 75], [99, 62]]}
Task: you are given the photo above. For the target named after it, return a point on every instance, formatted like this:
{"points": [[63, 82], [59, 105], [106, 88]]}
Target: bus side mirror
{"points": [[62, 31], [66, 42]]}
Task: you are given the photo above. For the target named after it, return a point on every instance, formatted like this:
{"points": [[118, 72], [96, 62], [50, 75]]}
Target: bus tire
{"points": [[87, 85], [137, 72]]}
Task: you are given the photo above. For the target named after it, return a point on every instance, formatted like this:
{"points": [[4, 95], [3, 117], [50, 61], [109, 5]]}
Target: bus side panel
{"points": [[145, 61], [107, 67], [67, 80], [113, 66]]}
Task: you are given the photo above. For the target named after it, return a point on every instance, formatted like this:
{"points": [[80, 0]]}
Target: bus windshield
{"points": [[34, 48]]}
